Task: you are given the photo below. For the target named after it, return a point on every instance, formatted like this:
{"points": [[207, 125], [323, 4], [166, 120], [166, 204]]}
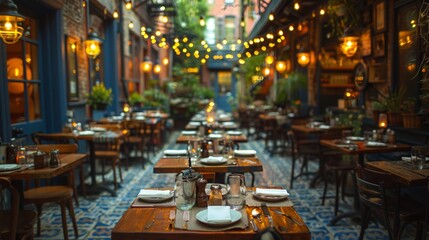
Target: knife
{"points": [[254, 226], [266, 212]]}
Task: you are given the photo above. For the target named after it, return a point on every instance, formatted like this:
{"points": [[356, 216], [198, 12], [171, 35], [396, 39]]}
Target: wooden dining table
{"points": [[152, 222], [235, 165], [404, 172], [89, 138], [186, 138], [359, 148]]}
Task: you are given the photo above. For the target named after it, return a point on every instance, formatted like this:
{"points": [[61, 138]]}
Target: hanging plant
{"points": [[344, 15]]}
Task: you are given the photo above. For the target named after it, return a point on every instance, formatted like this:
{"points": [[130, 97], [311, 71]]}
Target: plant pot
{"points": [[394, 119], [411, 120], [98, 114]]}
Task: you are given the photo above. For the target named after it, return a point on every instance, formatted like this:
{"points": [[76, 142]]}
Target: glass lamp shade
{"points": [[93, 45], [281, 66], [303, 58], [382, 120], [157, 68], [266, 71], [269, 59], [147, 65], [349, 45], [10, 22]]}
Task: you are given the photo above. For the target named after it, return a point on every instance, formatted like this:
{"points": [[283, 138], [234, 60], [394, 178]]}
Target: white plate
{"points": [[157, 199], [355, 138], [85, 133], [268, 198], [211, 161], [228, 123], [188, 133], [202, 217], [9, 167], [245, 153], [172, 152], [236, 133], [214, 135], [224, 188], [375, 144]]}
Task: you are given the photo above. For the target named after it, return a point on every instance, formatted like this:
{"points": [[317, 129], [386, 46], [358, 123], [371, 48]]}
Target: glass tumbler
{"points": [[418, 156]]}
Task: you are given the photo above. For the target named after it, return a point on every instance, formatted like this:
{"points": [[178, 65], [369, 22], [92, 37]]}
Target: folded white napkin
{"points": [[194, 123], [86, 133], [213, 159], [98, 129], [228, 123], [234, 132], [223, 116], [175, 152], [139, 118], [271, 192], [406, 159], [189, 132], [245, 152], [214, 135], [153, 193], [324, 126], [218, 214]]}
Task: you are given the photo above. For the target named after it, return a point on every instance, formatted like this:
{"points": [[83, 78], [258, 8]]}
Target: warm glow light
{"points": [[382, 120], [281, 66], [303, 58], [296, 6], [131, 25], [322, 12], [126, 108], [269, 59], [291, 28], [202, 21], [129, 5], [165, 61], [147, 65], [271, 17], [266, 71], [11, 28], [157, 68], [115, 14], [349, 45], [93, 45]]}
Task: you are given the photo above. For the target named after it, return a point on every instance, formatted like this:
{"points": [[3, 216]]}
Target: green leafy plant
{"points": [[352, 119], [344, 15], [154, 98], [135, 99], [100, 97], [409, 105], [378, 106], [394, 100]]}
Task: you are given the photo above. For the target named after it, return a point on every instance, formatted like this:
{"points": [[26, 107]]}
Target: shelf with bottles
{"points": [[338, 80]]}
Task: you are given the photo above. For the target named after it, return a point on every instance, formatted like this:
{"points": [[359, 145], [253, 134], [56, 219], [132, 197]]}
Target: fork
{"points": [[288, 216], [171, 218], [186, 218]]}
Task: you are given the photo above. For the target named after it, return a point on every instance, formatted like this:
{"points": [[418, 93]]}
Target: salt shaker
{"points": [[54, 159]]}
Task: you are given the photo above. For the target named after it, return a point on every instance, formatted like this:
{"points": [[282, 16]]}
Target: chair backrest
{"points": [[45, 138], [303, 143], [63, 148], [378, 191], [6, 186], [135, 127]]}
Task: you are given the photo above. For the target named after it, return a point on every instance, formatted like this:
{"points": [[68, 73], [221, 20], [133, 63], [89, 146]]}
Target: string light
{"points": [[128, 5], [131, 25], [296, 6], [202, 21], [115, 14], [271, 17]]}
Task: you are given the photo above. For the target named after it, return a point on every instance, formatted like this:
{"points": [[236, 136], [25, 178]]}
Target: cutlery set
{"points": [[256, 214]]}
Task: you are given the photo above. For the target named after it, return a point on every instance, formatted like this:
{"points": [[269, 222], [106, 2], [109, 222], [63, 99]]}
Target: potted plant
{"points": [[410, 119], [377, 107], [99, 98], [135, 100], [393, 102]]}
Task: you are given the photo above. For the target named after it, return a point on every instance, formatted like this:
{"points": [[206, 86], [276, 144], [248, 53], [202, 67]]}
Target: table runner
{"points": [[195, 225]]}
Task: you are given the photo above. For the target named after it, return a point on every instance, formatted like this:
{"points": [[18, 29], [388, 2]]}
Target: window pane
{"points": [[210, 32], [16, 102], [33, 101], [30, 27], [224, 82], [408, 52], [31, 60], [230, 28]]}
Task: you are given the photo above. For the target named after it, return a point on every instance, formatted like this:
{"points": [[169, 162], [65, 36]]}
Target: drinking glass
{"points": [[418, 156], [184, 193], [236, 198], [194, 150]]}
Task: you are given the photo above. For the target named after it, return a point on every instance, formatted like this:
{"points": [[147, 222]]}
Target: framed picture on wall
{"points": [[379, 45], [72, 68], [379, 16], [365, 40], [377, 72]]}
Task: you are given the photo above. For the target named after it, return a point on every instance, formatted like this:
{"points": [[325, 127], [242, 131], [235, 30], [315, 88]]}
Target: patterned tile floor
{"points": [[96, 216]]}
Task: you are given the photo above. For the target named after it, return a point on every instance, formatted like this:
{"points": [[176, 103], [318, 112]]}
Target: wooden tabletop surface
{"points": [[239, 164], [133, 222], [363, 149], [404, 172], [235, 138], [68, 162], [304, 128]]}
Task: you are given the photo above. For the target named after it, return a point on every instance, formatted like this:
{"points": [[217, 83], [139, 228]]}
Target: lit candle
{"points": [[382, 120]]}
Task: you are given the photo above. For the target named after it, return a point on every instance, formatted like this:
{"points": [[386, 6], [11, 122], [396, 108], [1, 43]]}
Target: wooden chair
{"points": [[60, 194], [14, 223], [136, 139], [107, 148], [46, 142], [379, 193]]}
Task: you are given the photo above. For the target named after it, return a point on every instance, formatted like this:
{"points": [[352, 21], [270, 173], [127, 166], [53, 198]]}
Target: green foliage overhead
{"points": [[135, 98]]}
